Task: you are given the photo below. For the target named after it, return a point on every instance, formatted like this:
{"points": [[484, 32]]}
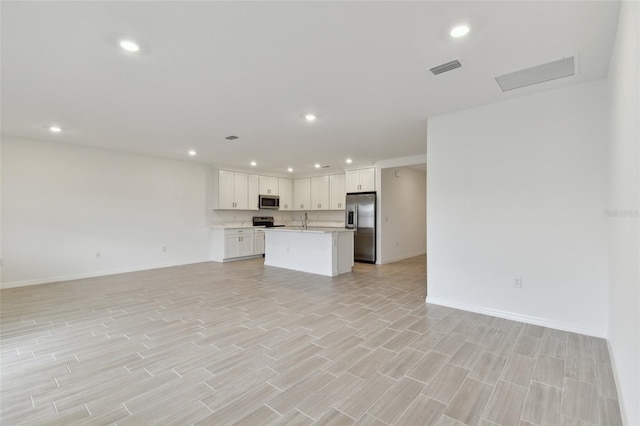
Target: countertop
{"points": [[311, 229], [291, 225]]}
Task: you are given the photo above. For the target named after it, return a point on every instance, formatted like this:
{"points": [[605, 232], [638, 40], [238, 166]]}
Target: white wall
{"points": [[62, 204], [403, 210], [624, 229], [518, 189]]}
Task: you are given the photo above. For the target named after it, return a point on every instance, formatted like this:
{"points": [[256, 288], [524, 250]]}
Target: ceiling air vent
{"points": [[539, 74], [231, 138], [446, 67]]}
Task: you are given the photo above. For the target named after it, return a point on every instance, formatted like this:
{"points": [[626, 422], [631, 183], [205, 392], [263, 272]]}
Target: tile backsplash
{"points": [[245, 217]]}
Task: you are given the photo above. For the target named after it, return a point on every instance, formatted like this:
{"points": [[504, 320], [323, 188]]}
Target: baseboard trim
{"points": [[545, 322], [406, 256], [95, 274], [235, 259], [616, 378]]}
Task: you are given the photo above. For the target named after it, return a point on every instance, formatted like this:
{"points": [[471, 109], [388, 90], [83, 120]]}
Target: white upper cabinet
{"points": [[226, 190], [252, 192], [337, 193], [362, 180], [268, 185], [302, 194], [285, 190], [232, 190], [236, 191], [320, 193]]}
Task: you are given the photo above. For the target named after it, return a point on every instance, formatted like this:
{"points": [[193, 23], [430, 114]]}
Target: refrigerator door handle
{"points": [[355, 219]]}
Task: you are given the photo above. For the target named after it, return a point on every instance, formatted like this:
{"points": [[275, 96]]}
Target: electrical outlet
{"points": [[517, 282], [98, 255]]}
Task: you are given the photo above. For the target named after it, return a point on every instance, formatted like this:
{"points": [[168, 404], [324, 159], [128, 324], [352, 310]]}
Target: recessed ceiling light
{"points": [[55, 129], [192, 152], [253, 163], [459, 31], [310, 117], [317, 166], [349, 161], [290, 169], [129, 46]]}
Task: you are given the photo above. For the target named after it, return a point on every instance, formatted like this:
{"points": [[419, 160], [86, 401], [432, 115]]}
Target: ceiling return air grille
{"points": [[564, 67], [446, 67]]}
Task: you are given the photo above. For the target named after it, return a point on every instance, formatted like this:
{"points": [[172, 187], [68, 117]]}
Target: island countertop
{"points": [[311, 229]]}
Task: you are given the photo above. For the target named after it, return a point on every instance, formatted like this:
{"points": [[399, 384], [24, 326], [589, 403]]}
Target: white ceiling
{"points": [[213, 69]]}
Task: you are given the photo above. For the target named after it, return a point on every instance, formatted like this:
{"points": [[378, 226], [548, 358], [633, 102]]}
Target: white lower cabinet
{"points": [[234, 243], [259, 238]]}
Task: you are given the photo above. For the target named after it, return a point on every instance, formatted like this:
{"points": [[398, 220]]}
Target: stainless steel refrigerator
{"points": [[360, 214]]}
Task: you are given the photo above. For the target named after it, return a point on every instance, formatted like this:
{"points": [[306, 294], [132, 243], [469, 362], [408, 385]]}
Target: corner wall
{"points": [[62, 204], [624, 220], [518, 189]]}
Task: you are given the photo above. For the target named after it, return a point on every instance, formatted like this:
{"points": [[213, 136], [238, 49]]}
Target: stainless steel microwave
{"points": [[268, 202]]}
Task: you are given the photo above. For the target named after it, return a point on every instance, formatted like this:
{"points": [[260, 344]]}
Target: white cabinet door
{"points": [[320, 193], [302, 194], [238, 243], [252, 192], [259, 241], [226, 185], [337, 194], [268, 185], [247, 246], [362, 180], [233, 190], [241, 189], [231, 246], [353, 180], [367, 180], [285, 189]]}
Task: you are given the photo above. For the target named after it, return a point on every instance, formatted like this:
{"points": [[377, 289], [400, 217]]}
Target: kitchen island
{"points": [[324, 251]]}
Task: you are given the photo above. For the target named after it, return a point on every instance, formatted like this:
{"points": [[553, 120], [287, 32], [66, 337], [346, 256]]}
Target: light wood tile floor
{"points": [[241, 343]]}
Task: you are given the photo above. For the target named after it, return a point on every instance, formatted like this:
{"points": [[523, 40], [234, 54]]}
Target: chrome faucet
{"points": [[306, 220]]}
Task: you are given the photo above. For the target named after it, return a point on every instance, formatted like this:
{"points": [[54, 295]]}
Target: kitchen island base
{"points": [[326, 252]]}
